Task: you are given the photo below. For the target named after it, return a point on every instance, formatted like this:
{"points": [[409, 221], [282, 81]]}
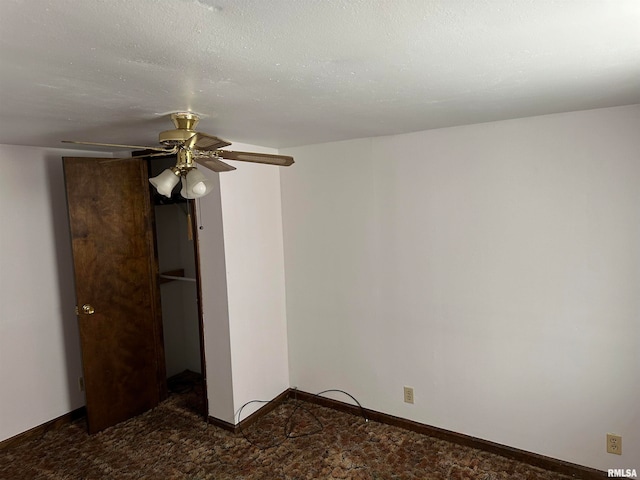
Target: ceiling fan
{"points": [[192, 147]]}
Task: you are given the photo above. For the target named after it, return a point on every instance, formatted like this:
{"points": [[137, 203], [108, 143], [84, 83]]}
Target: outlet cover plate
{"points": [[614, 444], [408, 394]]}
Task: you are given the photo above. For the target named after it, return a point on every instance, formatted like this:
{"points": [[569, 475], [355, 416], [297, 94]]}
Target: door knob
{"points": [[88, 309]]}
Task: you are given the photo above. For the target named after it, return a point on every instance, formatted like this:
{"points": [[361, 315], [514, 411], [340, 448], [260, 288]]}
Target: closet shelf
{"points": [[174, 275]]}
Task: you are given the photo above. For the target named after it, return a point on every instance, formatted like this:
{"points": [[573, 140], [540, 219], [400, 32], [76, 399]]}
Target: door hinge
{"points": [[77, 311]]}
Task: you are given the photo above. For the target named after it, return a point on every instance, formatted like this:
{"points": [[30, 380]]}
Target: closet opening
{"points": [[178, 262]]}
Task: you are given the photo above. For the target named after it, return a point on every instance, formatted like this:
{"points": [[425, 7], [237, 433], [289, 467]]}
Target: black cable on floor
{"points": [[288, 428], [362, 412]]}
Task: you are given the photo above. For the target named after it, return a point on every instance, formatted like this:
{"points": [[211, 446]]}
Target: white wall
{"points": [[245, 329], [215, 304], [252, 218], [495, 268], [39, 344]]}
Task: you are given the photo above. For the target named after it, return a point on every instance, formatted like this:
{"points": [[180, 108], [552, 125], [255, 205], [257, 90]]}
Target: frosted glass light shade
{"points": [[195, 185], [165, 182]]}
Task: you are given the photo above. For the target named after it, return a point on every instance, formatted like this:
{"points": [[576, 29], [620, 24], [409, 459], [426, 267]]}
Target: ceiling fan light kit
{"points": [[166, 181], [195, 185], [192, 147]]}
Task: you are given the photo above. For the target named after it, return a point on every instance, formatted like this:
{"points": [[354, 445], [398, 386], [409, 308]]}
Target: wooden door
{"points": [[116, 277]]}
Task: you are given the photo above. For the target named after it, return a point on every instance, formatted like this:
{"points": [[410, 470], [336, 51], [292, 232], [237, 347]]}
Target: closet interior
{"points": [[176, 239]]}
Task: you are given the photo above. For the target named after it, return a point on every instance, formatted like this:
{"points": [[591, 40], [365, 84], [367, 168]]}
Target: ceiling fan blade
{"points": [[113, 160], [164, 153], [203, 141], [148, 155], [214, 164], [281, 160], [136, 147]]}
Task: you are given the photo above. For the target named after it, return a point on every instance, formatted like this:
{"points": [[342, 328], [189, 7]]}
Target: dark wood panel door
{"points": [[116, 277]]}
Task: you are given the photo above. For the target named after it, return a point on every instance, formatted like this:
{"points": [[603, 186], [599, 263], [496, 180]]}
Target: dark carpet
{"points": [[311, 442]]}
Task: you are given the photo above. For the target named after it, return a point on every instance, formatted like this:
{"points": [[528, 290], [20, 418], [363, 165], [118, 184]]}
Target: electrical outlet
{"points": [[614, 444], [81, 384], [408, 394]]}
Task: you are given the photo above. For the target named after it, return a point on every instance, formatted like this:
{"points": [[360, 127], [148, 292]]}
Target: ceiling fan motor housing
{"points": [[185, 122]]}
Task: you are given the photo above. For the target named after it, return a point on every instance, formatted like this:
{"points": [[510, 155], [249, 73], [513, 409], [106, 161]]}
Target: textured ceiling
{"points": [[282, 73]]}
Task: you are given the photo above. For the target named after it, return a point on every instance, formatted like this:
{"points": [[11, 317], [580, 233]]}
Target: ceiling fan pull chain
{"points": [[189, 226]]}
